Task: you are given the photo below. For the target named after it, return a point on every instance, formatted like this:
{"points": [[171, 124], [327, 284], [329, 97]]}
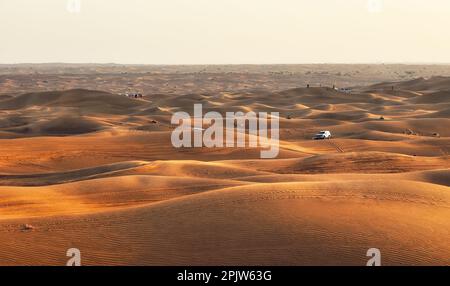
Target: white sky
{"points": [[225, 31]]}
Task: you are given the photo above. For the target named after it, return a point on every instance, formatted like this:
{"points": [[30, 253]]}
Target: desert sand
{"points": [[91, 169]]}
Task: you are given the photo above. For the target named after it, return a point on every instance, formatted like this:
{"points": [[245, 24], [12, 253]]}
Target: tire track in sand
{"points": [[336, 146]]}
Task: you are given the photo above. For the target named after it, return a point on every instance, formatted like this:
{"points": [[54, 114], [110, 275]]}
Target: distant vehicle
{"points": [[322, 135], [133, 95]]}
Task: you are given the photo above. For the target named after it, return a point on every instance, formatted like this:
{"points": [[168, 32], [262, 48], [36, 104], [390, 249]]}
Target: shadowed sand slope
{"points": [[97, 195], [102, 101], [39, 179]]}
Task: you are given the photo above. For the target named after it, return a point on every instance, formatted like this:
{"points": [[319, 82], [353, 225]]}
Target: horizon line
{"points": [[227, 64]]}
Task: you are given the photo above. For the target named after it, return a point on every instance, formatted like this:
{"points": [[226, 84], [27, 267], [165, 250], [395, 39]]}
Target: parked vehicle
{"points": [[322, 135]]}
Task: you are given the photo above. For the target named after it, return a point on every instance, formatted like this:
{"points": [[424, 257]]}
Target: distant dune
{"points": [[419, 84]]}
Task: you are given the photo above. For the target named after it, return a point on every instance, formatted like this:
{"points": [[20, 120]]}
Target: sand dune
{"points": [[99, 195], [78, 98], [438, 177], [329, 223], [41, 179], [97, 171], [366, 162], [418, 84], [429, 98]]}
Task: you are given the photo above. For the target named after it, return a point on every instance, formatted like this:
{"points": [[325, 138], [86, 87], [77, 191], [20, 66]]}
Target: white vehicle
{"points": [[322, 135]]}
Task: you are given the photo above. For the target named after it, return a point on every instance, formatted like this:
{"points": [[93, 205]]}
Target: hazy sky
{"points": [[225, 31]]}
